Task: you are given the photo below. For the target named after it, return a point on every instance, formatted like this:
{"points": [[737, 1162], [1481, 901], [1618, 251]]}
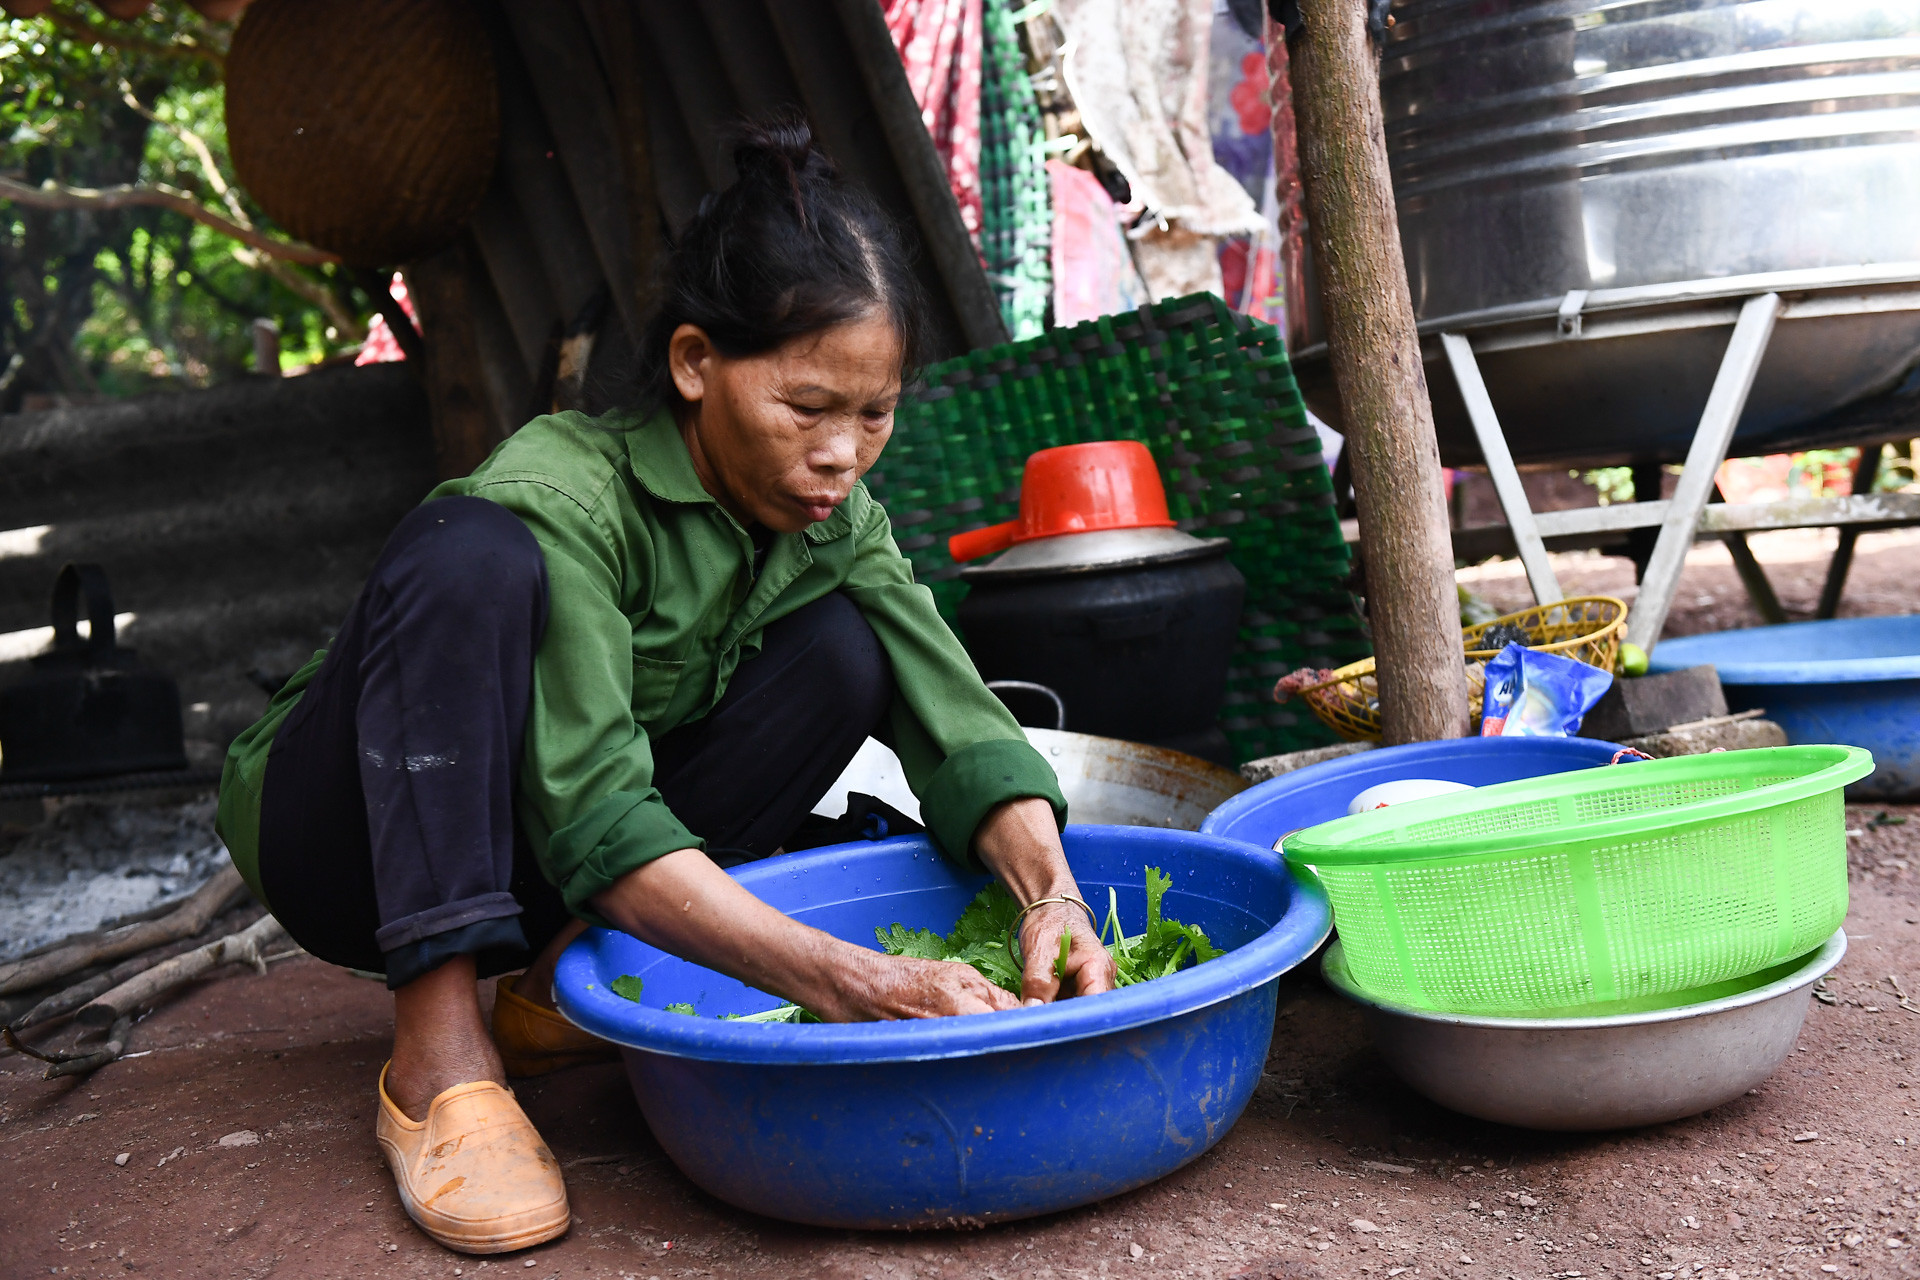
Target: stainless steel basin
{"points": [[1597, 1072], [1105, 781], [1648, 155]]}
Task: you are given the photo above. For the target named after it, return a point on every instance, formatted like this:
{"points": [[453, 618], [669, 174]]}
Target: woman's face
{"points": [[778, 439]]}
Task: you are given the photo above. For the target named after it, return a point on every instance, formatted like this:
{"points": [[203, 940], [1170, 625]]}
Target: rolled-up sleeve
{"points": [[587, 768], [961, 749]]}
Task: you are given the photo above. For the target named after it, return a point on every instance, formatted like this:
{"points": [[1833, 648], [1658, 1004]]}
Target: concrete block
{"points": [[1637, 706], [1269, 767], [1723, 733]]}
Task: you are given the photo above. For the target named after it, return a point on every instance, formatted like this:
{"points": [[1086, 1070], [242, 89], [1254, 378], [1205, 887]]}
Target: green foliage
{"points": [[682, 1007], [1166, 945], [779, 1013], [979, 938], [119, 301], [921, 944], [1899, 467], [1613, 484]]}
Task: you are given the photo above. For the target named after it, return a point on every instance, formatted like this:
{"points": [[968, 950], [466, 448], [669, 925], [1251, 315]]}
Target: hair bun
{"points": [[780, 146]]}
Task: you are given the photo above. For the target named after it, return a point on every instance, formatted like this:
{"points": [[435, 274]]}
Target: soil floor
{"points": [[247, 1134], [1885, 578], [240, 1141]]}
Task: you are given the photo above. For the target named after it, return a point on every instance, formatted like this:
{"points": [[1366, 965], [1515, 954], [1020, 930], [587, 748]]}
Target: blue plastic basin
{"points": [[964, 1120], [1854, 681], [1321, 792]]}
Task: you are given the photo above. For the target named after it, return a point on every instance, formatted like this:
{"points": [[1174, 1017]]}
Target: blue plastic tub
{"points": [[965, 1120], [1321, 792], [1853, 681]]}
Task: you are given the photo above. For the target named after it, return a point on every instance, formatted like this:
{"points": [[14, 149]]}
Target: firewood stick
{"points": [[76, 1061], [116, 1044], [70, 998], [245, 947], [206, 903]]}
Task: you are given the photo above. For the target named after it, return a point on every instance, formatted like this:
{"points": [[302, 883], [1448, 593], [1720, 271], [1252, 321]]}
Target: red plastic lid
{"points": [[1077, 488]]}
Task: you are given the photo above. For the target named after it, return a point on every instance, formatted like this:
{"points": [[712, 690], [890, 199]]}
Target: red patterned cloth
{"points": [[381, 347], [939, 43]]}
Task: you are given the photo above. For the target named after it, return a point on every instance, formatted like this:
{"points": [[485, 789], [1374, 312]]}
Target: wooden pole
{"points": [[1404, 536]]}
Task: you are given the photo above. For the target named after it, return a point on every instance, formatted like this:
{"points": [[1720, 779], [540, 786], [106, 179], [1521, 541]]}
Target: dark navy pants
{"points": [[387, 832]]}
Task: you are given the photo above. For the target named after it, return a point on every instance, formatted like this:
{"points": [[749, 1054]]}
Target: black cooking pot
{"points": [[1132, 627]]}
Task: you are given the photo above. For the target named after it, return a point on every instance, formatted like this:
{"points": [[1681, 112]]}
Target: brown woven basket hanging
{"points": [[1584, 628], [364, 127]]}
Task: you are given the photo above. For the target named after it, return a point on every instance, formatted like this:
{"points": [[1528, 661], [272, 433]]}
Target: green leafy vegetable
{"points": [[979, 939], [1165, 946], [780, 1013]]}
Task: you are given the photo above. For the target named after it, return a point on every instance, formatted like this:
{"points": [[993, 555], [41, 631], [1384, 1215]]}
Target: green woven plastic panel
{"points": [[1211, 394], [1016, 235]]}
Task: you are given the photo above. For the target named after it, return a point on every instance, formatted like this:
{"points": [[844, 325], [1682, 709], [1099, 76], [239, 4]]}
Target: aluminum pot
{"points": [[1106, 781], [1589, 1073]]}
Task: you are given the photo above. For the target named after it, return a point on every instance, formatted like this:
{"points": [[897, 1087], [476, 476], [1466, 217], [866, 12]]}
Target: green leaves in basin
{"points": [[979, 938]]}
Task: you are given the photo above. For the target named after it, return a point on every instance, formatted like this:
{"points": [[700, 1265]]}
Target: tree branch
{"points": [[345, 323], [79, 28], [52, 195]]}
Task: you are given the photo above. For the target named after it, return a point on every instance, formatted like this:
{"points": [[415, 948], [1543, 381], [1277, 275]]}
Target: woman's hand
{"points": [[686, 905], [1021, 845], [903, 987]]}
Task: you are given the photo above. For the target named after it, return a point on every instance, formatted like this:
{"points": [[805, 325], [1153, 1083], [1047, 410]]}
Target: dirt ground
{"points": [[248, 1134], [1885, 579], [240, 1142]]}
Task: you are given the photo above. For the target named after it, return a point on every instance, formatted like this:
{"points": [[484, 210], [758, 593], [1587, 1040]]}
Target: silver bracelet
{"points": [[1013, 929]]}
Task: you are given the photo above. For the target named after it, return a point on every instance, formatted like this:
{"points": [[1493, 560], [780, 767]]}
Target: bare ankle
{"points": [[439, 1040]]}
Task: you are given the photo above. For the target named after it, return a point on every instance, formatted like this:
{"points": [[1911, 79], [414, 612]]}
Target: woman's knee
{"points": [[844, 656], [466, 551]]}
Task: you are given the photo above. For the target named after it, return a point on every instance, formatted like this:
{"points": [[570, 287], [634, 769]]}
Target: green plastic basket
{"points": [[1580, 888]]}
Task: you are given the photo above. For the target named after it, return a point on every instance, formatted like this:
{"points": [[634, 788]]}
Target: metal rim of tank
{"points": [[1597, 314], [1818, 338]]}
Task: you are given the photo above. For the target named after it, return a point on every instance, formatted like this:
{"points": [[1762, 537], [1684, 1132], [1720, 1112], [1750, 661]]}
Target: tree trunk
{"points": [[1375, 348], [464, 432]]}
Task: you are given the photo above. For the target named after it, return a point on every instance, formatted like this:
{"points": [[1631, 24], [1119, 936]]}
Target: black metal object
{"points": [[1138, 653], [88, 709]]}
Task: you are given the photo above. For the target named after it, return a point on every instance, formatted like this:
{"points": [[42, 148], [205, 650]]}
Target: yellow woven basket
{"points": [[1584, 628]]}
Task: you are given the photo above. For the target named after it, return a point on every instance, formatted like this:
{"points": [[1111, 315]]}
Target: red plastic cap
{"points": [[1077, 488]]}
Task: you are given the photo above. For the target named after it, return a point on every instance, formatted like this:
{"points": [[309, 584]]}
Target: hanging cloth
{"points": [[1138, 74], [1093, 274], [939, 44]]}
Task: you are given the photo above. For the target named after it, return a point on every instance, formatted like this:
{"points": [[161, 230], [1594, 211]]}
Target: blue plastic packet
{"points": [[1538, 695]]}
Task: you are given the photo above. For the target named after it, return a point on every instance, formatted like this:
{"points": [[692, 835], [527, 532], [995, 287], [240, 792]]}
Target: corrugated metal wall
{"points": [[239, 522], [236, 523], [614, 115]]}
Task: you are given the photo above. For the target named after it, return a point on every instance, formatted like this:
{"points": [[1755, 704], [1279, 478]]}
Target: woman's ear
{"points": [[690, 355]]}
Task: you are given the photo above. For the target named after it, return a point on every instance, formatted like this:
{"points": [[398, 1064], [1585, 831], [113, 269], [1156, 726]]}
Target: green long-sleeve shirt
{"points": [[653, 604]]}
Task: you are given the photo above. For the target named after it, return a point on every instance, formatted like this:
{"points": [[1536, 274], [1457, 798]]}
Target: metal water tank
{"points": [[1590, 189]]}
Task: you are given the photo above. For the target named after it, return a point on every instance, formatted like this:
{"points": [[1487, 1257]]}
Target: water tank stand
{"points": [[1690, 513]]}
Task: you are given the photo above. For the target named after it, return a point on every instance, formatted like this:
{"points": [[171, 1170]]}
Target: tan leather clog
{"points": [[474, 1175], [533, 1041]]}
